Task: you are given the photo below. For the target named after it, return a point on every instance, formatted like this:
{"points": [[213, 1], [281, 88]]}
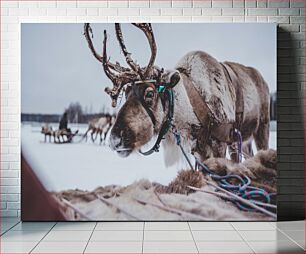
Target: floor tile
{"points": [[273, 235], [17, 247], [166, 226], [60, 247], [276, 247], [120, 226], [33, 226], [114, 247], [301, 243], [70, 236], [63, 226], [216, 236], [5, 228], [169, 247], [2, 231], [167, 236], [295, 234], [22, 236], [98, 236], [253, 226], [211, 226], [223, 247], [291, 225], [7, 225]]}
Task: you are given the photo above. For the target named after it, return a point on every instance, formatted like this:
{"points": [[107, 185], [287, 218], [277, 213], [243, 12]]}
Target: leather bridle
{"points": [[167, 93]]}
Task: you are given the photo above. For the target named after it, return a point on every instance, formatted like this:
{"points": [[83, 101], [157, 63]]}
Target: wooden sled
{"points": [[69, 136], [58, 134]]}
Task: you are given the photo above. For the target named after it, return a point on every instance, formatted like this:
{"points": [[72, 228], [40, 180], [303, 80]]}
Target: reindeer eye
{"points": [[149, 94]]}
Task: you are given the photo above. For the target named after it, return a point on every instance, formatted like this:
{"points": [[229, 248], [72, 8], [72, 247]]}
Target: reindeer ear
{"points": [[170, 78], [174, 79]]}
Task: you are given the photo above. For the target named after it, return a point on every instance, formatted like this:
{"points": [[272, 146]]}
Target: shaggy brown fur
{"points": [[195, 206], [79, 195], [261, 168], [180, 183], [140, 118], [75, 195], [175, 201]]}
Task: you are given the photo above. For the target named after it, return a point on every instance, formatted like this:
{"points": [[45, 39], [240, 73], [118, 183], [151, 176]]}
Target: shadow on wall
{"points": [[290, 133]]}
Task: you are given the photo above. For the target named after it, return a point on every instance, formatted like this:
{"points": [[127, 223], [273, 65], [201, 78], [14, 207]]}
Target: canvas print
{"points": [[148, 122]]}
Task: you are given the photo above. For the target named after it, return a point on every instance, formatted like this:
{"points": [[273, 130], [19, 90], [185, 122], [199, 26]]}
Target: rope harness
{"points": [[242, 188], [238, 185], [166, 126]]}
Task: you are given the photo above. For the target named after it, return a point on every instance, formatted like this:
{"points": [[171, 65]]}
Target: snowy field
{"points": [[85, 165]]}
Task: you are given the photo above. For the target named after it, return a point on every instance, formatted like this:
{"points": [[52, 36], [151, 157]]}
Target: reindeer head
{"points": [[146, 105]]}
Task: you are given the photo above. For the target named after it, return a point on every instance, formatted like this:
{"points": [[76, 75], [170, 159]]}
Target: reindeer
{"points": [[59, 136], [48, 132], [99, 126], [210, 102], [91, 127], [108, 127], [103, 129]]}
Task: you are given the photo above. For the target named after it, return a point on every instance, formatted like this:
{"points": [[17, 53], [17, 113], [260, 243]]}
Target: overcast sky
{"points": [[57, 66]]}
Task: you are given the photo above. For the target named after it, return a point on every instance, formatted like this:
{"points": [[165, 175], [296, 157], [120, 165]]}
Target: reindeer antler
{"points": [[118, 80], [120, 76], [147, 29], [89, 35], [135, 67]]}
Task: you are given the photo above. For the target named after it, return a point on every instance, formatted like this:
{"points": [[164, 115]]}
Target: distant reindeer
{"points": [[107, 128], [99, 126], [58, 135], [48, 132]]}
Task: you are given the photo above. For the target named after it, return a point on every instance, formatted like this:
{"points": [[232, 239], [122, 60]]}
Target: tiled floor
{"points": [[152, 237]]}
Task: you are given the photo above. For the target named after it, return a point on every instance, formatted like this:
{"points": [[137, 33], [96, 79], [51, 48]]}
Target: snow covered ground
{"points": [[85, 165]]}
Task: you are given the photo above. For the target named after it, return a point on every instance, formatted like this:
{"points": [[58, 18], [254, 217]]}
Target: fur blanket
{"points": [[144, 200]]}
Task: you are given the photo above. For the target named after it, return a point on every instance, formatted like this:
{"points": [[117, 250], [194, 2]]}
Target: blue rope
{"points": [[242, 189], [177, 135]]}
